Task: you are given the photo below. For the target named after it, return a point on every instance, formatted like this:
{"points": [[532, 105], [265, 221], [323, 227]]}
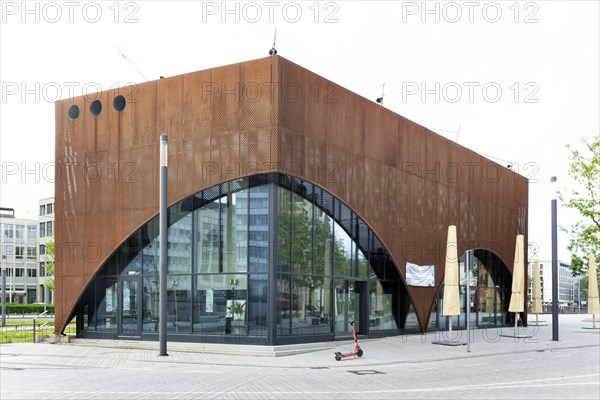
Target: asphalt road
{"points": [[392, 368]]}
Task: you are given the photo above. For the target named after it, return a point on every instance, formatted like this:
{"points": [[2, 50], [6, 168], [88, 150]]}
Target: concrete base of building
{"points": [[58, 339], [450, 343], [211, 348]]}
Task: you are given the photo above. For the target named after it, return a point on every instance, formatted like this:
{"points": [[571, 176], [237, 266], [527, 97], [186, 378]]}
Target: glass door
{"points": [[350, 305], [130, 306]]}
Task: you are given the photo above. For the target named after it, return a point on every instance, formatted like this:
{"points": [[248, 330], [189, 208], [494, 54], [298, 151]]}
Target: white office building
{"points": [[23, 254], [46, 229], [567, 284], [19, 256]]}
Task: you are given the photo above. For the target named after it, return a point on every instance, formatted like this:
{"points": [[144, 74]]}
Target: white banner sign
{"points": [[210, 300], [109, 300], [126, 299], [420, 275]]}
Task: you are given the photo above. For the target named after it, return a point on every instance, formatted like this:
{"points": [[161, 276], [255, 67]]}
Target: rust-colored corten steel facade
{"points": [[407, 183]]}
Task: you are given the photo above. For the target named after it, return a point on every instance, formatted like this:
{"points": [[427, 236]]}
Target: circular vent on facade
{"points": [[73, 112], [96, 108], [119, 103]]}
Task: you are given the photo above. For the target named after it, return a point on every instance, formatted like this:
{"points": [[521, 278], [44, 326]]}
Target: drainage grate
{"points": [[366, 372]]}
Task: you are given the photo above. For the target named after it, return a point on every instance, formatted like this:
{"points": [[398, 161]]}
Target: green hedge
{"points": [[31, 309]]}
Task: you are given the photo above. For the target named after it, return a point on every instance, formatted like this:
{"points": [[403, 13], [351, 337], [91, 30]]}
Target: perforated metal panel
{"points": [[273, 115]]}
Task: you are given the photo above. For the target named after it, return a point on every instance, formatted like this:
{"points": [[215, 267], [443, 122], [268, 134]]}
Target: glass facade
{"points": [[490, 292], [268, 259]]}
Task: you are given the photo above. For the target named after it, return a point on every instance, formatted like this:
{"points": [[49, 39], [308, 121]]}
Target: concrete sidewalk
{"points": [[398, 367], [412, 348]]}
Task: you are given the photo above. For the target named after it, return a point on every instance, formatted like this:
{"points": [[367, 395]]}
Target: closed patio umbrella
{"points": [[536, 306], [593, 302], [451, 301], [517, 298]]}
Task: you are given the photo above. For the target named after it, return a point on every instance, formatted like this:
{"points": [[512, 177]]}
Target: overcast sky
{"points": [[520, 79]]}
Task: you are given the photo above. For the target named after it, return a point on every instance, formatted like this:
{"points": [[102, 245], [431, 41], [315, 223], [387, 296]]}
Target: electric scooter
{"points": [[357, 350]]}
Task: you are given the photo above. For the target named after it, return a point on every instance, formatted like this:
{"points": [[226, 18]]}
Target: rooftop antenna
{"points": [[447, 131], [509, 164], [380, 99], [273, 51], [130, 62]]}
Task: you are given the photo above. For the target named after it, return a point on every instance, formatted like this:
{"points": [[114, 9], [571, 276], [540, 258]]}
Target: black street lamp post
{"points": [[555, 282]]}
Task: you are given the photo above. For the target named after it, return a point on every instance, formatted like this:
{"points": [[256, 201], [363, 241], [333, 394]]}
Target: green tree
{"points": [[303, 239], [50, 252], [308, 241], [585, 234], [583, 288]]}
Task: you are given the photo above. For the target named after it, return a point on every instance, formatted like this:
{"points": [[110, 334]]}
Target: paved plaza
{"points": [[404, 367]]}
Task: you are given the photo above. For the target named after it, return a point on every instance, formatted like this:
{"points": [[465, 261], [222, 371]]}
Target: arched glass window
{"points": [[270, 258]]}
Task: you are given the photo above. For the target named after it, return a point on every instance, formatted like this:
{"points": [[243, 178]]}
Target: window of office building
{"points": [[31, 253], [8, 231], [43, 209], [42, 229], [19, 252], [31, 294], [49, 208], [19, 231], [8, 251], [31, 232]]}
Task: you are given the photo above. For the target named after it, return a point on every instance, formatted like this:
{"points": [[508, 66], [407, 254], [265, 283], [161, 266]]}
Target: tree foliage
{"points": [[302, 243], [50, 253], [585, 234], [583, 287]]}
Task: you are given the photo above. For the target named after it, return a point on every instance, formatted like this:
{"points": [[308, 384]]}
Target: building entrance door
{"points": [[350, 305], [130, 306]]}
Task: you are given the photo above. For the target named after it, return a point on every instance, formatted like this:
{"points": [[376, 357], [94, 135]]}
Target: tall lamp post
{"points": [[578, 296], [3, 296], [468, 262], [555, 282], [162, 289]]}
